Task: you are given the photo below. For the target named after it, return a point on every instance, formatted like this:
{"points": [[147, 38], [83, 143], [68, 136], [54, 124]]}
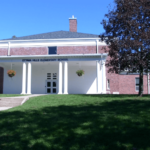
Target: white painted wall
{"points": [[12, 85], [85, 84], [76, 85]]}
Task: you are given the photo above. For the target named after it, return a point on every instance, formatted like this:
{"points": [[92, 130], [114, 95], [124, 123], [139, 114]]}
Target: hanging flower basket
{"points": [[80, 72], [11, 73]]}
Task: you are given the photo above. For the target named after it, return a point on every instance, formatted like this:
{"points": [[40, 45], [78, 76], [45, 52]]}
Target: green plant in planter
{"points": [[11, 73], [80, 72]]}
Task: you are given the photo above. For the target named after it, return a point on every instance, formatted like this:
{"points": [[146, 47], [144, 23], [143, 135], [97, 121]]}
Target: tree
{"points": [[127, 33], [13, 37]]}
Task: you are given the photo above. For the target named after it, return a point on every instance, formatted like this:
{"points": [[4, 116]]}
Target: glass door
{"points": [[51, 86], [48, 87], [54, 87]]}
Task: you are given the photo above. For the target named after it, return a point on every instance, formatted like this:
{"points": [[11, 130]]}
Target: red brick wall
{"points": [[76, 49], [79, 49], [101, 50], [73, 25], [29, 51], [114, 82], [124, 84], [127, 84], [44, 50], [113, 77], [3, 51]]}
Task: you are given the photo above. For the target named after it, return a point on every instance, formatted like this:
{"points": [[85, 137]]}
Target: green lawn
{"points": [[11, 95], [77, 122]]}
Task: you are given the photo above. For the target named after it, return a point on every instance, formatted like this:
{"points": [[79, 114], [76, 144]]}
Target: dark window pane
{"points": [[48, 90], [48, 84], [54, 84], [54, 90], [52, 50]]}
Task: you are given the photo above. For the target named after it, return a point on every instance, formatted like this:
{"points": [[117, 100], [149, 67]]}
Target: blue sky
{"points": [[28, 17]]}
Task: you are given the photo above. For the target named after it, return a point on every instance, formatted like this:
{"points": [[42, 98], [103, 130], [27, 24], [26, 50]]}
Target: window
{"points": [[54, 75], [48, 75], [136, 84], [108, 84], [52, 50]]}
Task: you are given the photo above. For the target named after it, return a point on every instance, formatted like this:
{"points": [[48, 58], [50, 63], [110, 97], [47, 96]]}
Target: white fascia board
{"points": [[46, 43], [37, 40], [103, 55], [4, 45], [40, 44]]}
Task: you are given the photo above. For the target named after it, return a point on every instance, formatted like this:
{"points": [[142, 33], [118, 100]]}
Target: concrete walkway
{"points": [[9, 102]]}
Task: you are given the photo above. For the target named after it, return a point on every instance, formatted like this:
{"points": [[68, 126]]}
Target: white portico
{"points": [[55, 74]]}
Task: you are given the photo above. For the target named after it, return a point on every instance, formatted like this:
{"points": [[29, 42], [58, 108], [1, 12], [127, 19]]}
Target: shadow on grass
{"points": [[116, 125]]}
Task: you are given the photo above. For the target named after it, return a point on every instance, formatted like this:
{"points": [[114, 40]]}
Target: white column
{"points": [[65, 77], [29, 78], [98, 76], [24, 78], [104, 77], [60, 78], [101, 77]]}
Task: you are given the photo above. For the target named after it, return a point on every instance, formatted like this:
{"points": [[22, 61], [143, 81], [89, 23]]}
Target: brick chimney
{"points": [[73, 24]]}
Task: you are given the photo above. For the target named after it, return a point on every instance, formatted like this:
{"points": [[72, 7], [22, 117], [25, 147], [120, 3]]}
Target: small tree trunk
{"points": [[141, 82]]}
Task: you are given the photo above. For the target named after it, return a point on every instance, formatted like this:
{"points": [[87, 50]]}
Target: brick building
{"points": [[47, 64]]}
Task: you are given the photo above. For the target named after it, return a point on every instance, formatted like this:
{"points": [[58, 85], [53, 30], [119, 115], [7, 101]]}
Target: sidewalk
{"points": [[10, 102]]}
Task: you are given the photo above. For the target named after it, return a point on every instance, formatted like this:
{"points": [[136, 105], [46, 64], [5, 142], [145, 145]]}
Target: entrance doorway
{"points": [[51, 86], [51, 83]]}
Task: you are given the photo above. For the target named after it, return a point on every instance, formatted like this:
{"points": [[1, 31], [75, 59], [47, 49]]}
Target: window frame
{"points": [[108, 84], [137, 84], [52, 47]]}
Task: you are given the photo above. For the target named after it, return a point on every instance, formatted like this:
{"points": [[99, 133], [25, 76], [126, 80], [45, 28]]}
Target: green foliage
{"points": [[13, 37], [80, 72]]}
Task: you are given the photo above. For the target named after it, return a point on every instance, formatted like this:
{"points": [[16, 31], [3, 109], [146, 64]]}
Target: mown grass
{"points": [[77, 122], [11, 95]]}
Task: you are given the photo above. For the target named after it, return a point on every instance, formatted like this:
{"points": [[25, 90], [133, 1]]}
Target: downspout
{"points": [[97, 46], [148, 82], [8, 49]]}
